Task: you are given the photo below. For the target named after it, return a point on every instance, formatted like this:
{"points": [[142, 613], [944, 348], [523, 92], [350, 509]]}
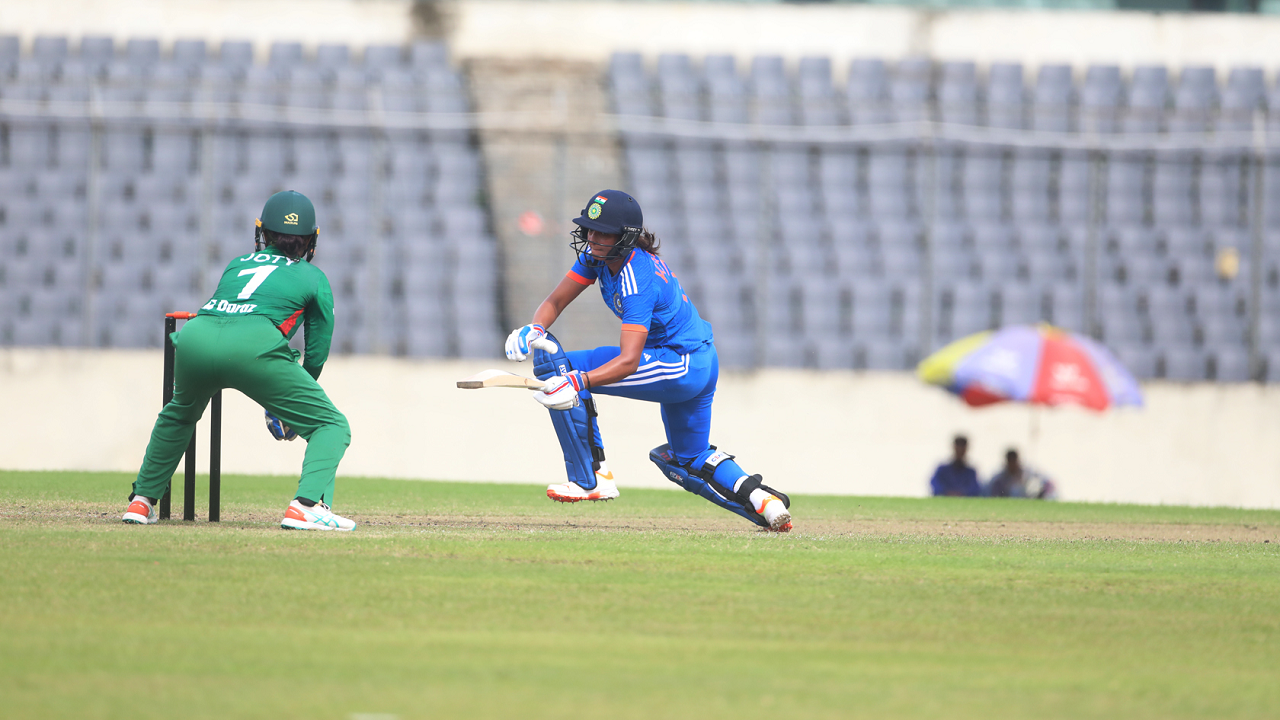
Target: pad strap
{"points": [[593, 429], [708, 467], [747, 487]]}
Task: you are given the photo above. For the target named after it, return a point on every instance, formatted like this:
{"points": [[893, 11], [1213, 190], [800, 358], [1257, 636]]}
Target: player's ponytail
{"points": [[648, 242]]}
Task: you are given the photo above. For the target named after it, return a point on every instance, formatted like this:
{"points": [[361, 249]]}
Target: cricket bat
{"points": [[499, 378]]}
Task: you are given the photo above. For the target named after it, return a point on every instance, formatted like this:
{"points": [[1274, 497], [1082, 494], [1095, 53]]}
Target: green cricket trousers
{"points": [[245, 353]]}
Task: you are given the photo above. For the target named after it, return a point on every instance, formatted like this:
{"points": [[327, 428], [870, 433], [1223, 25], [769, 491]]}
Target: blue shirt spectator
{"points": [[956, 477]]}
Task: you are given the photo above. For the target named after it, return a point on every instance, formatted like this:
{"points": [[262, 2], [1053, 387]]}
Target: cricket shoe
{"points": [[571, 492], [320, 517], [774, 512], [140, 512]]}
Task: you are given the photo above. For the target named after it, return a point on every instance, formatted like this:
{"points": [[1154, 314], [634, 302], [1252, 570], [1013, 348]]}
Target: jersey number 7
{"points": [[259, 274]]}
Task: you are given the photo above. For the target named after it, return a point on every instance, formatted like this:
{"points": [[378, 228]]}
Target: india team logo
{"points": [[593, 212], [617, 301]]}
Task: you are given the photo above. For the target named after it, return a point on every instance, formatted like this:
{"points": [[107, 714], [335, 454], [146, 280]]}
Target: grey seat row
{"points": [[874, 91], [94, 55]]}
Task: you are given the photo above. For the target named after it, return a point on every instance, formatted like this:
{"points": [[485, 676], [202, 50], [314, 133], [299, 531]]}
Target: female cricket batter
{"points": [[240, 340], [665, 355]]}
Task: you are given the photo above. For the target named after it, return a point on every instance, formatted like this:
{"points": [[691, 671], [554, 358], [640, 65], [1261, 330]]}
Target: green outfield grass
{"points": [[488, 601]]}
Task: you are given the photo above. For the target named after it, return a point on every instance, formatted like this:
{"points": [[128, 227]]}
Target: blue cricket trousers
{"points": [[684, 385]]}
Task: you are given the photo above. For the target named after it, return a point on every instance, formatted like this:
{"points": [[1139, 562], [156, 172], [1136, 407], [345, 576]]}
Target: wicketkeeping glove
{"points": [[278, 429], [520, 339], [561, 391]]}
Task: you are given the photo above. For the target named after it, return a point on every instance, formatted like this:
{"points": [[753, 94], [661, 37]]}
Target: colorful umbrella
{"points": [[1040, 365]]}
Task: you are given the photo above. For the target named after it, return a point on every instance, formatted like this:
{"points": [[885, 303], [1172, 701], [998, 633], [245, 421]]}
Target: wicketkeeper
{"points": [[240, 340]]}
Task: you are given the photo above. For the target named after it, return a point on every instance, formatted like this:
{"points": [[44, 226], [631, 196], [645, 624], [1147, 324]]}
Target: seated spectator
{"points": [[956, 477], [1018, 481]]}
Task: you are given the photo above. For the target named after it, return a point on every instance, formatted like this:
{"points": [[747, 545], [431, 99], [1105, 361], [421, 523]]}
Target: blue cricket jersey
{"points": [[646, 295]]}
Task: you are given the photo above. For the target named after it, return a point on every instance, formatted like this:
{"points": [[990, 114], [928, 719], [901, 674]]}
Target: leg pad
{"points": [[694, 483], [576, 428]]}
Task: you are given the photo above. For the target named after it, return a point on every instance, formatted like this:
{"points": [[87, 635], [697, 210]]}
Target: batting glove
{"points": [[561, 391], [278, 429], [520, 340]]}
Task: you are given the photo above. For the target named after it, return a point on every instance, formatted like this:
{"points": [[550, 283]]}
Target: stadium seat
{"points": [[770, 91], [49, 50], [1172, 331], [1006, 96], [189, 54], [678, 88], [1148, 98], [1017, 305], [695, 169], [867, 92], [428, 54], [380, 58], [236, 56], [445, 93], [96, 52], [889, 183], [1193, 100], [1161, 302], [1141, 361], [1053, 99], [630, 85], [1185, 365], [285, 55], [10, 51], [1244, 93], [142, 52], [984, 186], [1122, 329], [1065, 304], [1100, 99], [817, 99], [1230, 365], [1044, 267], [331, 56], [304, 88], [958, 93], [910, 89]]}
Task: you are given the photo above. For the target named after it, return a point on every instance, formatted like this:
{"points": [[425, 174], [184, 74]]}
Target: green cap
{"points": [[290, 213]]}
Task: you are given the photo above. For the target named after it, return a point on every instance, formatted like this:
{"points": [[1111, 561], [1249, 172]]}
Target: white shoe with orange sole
{"points": [[320, 517], [571, 492], [774, 512], [140, 512]]}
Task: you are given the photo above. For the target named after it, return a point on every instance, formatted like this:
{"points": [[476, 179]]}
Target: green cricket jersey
{"points": [[284, 290]]}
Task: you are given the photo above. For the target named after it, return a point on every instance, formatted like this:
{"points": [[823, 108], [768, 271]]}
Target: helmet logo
{"points": [[593, 212], [291, 219]]}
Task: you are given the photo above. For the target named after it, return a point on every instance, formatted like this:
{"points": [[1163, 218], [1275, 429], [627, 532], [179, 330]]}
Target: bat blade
{"points": [[499, 378]]}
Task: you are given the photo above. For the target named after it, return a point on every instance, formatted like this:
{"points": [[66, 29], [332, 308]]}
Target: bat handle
{"points": [[546, 344]]}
